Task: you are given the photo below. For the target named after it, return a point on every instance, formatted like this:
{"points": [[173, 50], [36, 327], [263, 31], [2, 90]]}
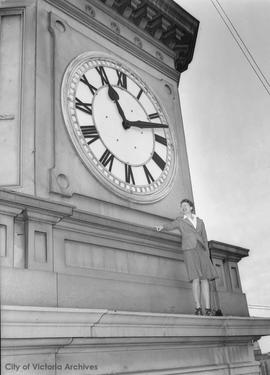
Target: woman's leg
{"points": [[196, 289], [205, 293]]}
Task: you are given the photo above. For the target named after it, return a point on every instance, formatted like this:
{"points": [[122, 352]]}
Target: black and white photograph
{"points": [[134, 187]]}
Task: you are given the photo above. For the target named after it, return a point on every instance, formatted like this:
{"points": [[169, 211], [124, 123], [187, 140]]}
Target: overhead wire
{"points": [[259, 307], [255, 67], [241, 44]]}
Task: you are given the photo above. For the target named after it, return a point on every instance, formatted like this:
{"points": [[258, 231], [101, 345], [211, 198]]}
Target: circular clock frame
{"points": [[151, 192]]}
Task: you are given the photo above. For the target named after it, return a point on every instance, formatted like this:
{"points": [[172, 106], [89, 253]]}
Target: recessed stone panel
{"points": [[92, 256], [6, 240], [10, 97], [3, 240], [41, 248]]}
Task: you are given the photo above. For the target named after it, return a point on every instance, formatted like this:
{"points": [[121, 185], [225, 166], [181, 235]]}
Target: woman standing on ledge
{"points": [[196, 253]]}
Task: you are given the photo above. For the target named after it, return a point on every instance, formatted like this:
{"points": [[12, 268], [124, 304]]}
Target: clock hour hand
{"points": [[113, 95], [144, 124]]}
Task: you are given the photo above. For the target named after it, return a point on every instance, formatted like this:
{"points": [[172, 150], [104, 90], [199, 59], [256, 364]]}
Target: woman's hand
{"points": [[158, 228]]}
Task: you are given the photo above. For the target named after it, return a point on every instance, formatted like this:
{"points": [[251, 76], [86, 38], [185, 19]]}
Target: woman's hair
{"points": [[190, 203]]}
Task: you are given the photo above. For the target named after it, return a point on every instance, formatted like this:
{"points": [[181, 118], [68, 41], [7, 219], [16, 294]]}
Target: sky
{"points": [[226, 115]]}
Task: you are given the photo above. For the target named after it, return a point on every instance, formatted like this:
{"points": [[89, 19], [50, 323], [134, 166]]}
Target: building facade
{"points": [[93, 156]]}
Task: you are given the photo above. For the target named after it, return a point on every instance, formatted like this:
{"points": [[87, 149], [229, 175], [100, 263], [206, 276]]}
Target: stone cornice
{"points": [[75, 12], [35, 322], [165, 22], [227, 251], [33, 204]]}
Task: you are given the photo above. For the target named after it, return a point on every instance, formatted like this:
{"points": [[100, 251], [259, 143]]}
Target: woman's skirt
{"points": [[198, 264]]}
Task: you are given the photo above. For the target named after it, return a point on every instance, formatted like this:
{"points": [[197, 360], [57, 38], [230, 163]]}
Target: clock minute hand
{"points": [[121, 112], [113, 95], [145, 125]]}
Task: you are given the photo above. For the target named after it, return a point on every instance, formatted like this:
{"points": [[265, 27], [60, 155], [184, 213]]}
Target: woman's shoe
{"points": [[209, 312], [198, 311]]}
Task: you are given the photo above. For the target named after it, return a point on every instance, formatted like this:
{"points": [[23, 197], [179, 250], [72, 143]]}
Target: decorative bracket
{"points": [[164, 21]]}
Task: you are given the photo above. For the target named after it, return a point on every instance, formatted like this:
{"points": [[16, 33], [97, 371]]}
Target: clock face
{"points": [[118, 128]]}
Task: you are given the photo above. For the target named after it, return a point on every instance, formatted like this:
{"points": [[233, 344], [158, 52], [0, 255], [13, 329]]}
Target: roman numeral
{"points": [[158, 160], [129, 174], [153, 115], [161, 140], [82, 106], [93, 89], [90, 132], [139, 94], [107, 158], [122, 79], [148, 175], [103, 75]]}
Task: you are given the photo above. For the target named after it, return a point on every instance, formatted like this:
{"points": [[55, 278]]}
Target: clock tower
{"points": [[119, 145], [93, 156], [94, 150]]}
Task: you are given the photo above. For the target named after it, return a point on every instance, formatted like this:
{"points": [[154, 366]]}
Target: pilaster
{"points": [[7, 217]]}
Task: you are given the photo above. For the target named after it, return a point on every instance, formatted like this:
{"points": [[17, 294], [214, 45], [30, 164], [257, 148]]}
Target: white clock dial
{"points": [[118, 128], [133, 146]]}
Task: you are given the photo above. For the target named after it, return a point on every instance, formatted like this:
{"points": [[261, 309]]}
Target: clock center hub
{"points": [[133, 146]]}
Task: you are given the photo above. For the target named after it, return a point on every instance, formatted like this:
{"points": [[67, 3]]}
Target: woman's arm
{"points": [[167, 227]]}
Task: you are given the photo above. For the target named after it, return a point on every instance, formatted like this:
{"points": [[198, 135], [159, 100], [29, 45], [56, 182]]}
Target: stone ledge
{"points": [[13, 203], [23, 201], [36, 322], [223, 250]]}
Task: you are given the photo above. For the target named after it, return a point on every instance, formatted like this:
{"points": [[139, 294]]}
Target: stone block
{"points": [[108, 290], [28, 287]]}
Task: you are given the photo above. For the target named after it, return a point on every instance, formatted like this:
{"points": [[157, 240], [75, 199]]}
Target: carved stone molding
{"points": [[164, 21], [156, 343], [90, 10], [115, 27], [138, 42], [159, 56], [135, 47], [20, 201], [59, 183], [26, 321], [230, 252]]}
